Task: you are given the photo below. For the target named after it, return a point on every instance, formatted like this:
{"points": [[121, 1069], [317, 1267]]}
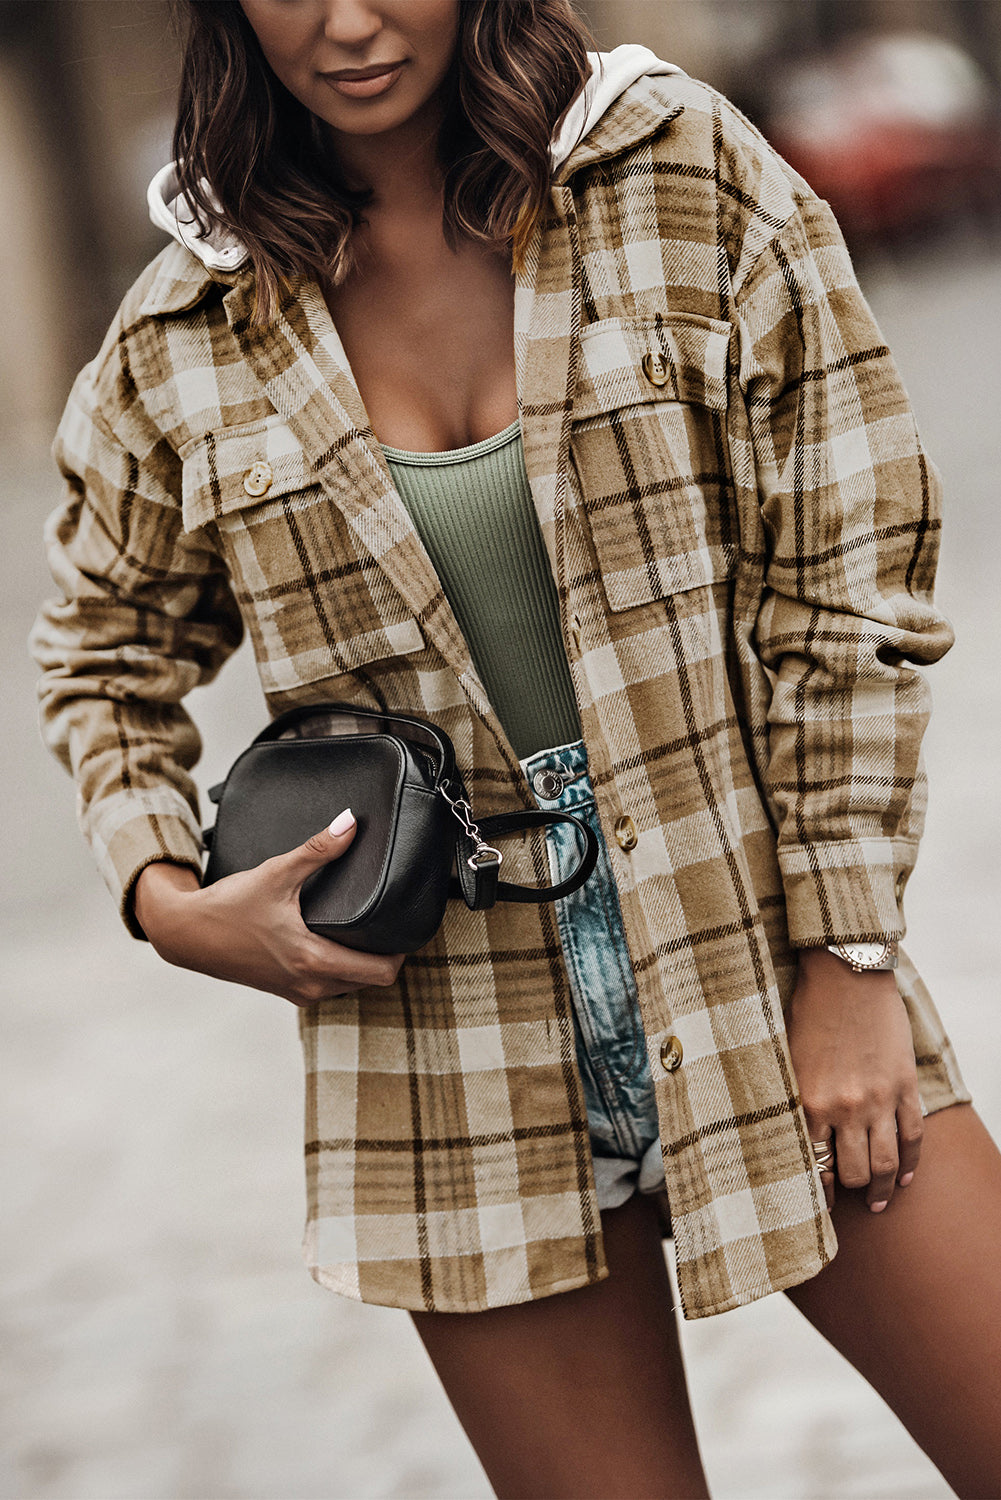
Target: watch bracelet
{"points": [[885, 963]]}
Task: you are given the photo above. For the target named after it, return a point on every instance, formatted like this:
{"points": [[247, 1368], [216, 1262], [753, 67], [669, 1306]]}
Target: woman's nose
{"points": [[351, 23]]}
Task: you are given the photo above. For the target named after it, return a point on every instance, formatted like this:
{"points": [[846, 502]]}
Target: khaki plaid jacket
{"points": [[743, 528]]}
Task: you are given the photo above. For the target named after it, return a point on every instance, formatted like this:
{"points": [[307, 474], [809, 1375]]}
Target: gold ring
{"points": [[824, 1152]]}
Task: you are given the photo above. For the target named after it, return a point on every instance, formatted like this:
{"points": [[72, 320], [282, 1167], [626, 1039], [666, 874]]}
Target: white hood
{"points": [[611, 74]]}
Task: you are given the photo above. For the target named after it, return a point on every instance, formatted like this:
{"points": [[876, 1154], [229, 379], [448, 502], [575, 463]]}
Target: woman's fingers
{"points": [[852, 1049], [295, 867], [867, 1159], [910, 1132], [822, 1141], [323, 969], [331, 970], [248, 927], [883, 1164], [877, 1159], [852, 1154]]}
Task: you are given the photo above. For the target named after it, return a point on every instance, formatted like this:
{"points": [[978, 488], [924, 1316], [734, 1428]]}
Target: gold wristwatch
{"points": [[866, 958]]}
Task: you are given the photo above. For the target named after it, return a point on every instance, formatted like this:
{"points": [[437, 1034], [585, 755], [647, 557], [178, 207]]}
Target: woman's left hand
{"points": [[852, 1050]]}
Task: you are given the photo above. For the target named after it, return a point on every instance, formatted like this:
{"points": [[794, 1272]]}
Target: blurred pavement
{"points": [[162, 1339]]}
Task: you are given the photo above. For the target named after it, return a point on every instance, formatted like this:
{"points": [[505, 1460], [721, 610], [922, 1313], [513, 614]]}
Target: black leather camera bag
{"points": [[387, 892]]}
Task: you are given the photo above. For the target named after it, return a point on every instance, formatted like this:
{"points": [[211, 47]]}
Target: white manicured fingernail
{"points": [[877, 1208], [342, 822]]}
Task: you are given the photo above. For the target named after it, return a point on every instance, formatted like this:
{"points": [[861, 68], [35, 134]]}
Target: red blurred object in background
{"points": [[898, 132]]}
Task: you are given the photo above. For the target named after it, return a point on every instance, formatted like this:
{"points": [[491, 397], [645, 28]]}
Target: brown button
{"points": [[625, 833], [671, 1053], [575, 634], [258, 479], [654, 367]]}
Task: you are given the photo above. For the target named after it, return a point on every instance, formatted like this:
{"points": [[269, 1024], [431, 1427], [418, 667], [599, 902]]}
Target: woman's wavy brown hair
{"points": [[241, 136]]}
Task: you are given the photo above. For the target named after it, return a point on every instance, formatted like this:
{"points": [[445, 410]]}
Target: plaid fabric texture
{"points": [[743, 529]]}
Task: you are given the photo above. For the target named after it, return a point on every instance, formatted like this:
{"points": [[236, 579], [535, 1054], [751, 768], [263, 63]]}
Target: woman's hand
{"points": [[248, 928], [852, 1050]]}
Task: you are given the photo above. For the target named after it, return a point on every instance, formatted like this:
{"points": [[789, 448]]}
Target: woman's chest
{"points": [[430, 342]]}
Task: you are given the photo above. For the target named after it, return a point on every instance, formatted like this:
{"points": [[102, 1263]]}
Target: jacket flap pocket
{"points": [[649, 446], [631, 361], [310, 594], [259, 464]]}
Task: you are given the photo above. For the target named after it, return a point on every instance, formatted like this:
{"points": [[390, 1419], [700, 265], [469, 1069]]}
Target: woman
{"points": [[647, 529]]}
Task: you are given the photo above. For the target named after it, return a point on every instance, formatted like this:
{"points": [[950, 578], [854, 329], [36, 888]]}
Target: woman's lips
{"points": [[365, 87]]}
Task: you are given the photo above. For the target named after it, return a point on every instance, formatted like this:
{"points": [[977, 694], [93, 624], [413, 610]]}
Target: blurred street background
{"points": [[161, 1339]]}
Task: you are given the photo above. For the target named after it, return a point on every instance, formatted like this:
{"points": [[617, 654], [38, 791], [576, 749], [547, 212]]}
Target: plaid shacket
{"points": [[744, 547]]}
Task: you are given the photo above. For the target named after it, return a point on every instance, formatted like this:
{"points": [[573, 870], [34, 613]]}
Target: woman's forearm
{"points": [[154, 896]]}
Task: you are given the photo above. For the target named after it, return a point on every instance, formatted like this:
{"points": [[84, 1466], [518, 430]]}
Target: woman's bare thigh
{"points": [[913, 1299], [580, 1395]]}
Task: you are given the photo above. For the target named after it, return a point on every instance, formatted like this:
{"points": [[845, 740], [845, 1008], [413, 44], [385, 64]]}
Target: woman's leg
{"points": [[913, 1300], [583, 1394]]}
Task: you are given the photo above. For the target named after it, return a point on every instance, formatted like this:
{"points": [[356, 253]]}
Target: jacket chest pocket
{"points": [[649, 446], [316, 604]]}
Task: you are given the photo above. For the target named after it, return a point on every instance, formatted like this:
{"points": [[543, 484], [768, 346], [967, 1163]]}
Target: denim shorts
{"points": [[611, 1045]]}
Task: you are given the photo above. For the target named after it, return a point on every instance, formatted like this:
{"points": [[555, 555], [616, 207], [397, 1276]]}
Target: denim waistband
{"points": [[569, 764]]}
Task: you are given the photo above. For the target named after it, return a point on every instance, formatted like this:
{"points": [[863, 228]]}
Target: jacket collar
{"points": [[645, 108], [179, 281]]}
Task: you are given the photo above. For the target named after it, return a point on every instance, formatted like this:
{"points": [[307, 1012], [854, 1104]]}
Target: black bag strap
{"points": [[478, 882]]}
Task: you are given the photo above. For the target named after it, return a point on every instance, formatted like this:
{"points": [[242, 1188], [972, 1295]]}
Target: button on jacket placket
{"points": [[687, 1116], [676, 1119], [258, 479]]}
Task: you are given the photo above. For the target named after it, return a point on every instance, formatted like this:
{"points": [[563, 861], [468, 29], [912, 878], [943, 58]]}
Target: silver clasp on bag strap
{"points": [[483, 854]]}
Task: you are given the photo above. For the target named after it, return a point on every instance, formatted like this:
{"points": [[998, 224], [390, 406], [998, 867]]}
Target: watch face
{"points": [[866, 955]]}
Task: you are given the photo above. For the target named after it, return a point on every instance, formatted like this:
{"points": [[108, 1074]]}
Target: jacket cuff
{"points": [[837, 892], [140, 828]]}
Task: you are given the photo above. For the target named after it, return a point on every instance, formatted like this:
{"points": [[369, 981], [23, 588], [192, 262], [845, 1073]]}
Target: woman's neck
{"points": [[400, 166]]}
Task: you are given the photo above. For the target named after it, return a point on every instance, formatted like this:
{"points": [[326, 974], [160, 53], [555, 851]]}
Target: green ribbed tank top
{"points": [[473, 511]]}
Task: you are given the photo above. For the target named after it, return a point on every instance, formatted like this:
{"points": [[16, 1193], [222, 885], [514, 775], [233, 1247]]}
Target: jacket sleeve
{"points": [[144, 613], [851, 519]]}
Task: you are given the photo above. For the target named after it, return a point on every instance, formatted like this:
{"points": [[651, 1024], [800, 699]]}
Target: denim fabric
{"points": [[611, 1045]]}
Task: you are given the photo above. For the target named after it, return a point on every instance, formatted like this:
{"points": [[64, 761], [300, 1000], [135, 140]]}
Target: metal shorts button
{"points": [[548, 784], [625, 833], [671, 1053], [654, 367], [258, 479]]}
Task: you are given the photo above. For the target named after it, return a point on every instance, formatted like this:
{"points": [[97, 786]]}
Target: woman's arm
{"points": [[850, 508], [144, 614], [850, 505]]}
